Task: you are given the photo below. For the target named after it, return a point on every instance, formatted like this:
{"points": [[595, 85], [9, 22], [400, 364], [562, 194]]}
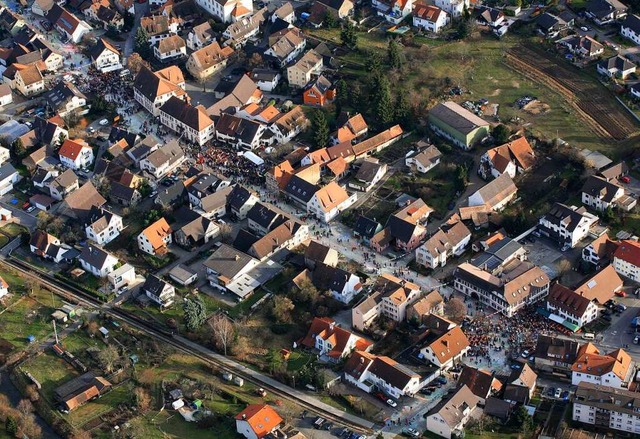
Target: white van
{"points": [[588, 336]]}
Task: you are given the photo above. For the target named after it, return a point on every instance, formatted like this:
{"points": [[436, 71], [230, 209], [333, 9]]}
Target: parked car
{"points": [[391, 403], [584, 29], [565, 395], [551, 391], [261, 392], [558, 393], [625, 179], [621, 294], [318, 422], [103, 122], [410, 432]]}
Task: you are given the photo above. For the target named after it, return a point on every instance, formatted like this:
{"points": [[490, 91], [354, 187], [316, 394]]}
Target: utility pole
{"points": [[55, 331]]}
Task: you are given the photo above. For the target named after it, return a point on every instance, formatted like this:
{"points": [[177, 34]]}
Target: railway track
{"points": [[73, 294]]}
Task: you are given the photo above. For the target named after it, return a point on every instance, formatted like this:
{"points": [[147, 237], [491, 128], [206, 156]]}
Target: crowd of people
{"points": [[230, 164]]}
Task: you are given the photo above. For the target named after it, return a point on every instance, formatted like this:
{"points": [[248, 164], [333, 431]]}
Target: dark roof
{"points": [[326, 277], [498, 408], [238, 197], [146, 83], [368, 171], [118, 134], [300, 188], [228, 261], [616, 62], [519, 394], [185, 113], [172, 195], [632, 22], [74, 386], [244, 240], [94, 256], [563, 216], [265, 216], [154, 285], [600, 188], [478, 381], [602, 8], [241, 129], [61, 94], [121, 192], [549, 21], [400, 229], [557, 349], [100, 47], [366, 227], [316, 251], [497, 253]]}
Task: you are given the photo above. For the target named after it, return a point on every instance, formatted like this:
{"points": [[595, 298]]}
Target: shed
{"points": [[177, 404], [134, 358], [104, 331], [59, 316], [176, 394], [253, 158]]}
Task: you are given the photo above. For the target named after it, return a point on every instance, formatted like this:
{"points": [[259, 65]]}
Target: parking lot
{"points": [[546, 254]]}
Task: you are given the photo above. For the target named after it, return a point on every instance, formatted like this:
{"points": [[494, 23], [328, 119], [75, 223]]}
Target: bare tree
{"points": [[225, 232], [564, 267], [143, 399], [223, 331], [108, 357], [456, 309]]}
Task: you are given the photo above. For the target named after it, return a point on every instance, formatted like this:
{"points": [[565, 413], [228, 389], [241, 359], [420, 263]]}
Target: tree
{"points": [[348, 35], [135, 63], [61, 138], [255, 61], [306, 292], [11, 425], [282, 308], [465, 27], [142, 398], [195, 313], [394, 54], [501, 133], [25, 407], [320, 129], [382, 102], [455, 309], [355, 96], [330, 21], [373, 63], [403, 113], [462, 176], [141, 43], [18, 148], [522, 419], [224, 331], [225, 232], [108, 357], [274, 360], [342, 94], [144, 188], [42, 220]]}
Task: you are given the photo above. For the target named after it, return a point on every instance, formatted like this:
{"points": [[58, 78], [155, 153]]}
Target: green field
{"points": [[171, 425], [100, 406], [13, 229], [50, 371]]}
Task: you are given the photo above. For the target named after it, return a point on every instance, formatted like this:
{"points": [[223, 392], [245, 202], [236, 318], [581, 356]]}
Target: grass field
{"points": [[50, 371], [167, 424], [100, 406], [13, 229]]}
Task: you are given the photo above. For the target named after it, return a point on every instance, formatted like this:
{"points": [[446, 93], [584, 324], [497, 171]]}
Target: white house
{"points": [[423, 161], [448, 418], [612, 369], [227, 11], [266, 80], [616, 67], [256, 421], [342, 285], [76, 154], [446, 348], [164, 160], [97, 261], [191, 122], [368, 372], [567, 225], [430, 18], [600, 194], [103, 226], [200, 36], [155, 239], [455, 8], [105, 57], [626, 259], [152, 89], [565, 305], [329, 339], [630, 28], [451, 239], [8, 177], [170, 49], [394, 11], [607, 407], [124, 275], [496, 194], [329, 201], [512, 158], [6, 96], [159, 291]]}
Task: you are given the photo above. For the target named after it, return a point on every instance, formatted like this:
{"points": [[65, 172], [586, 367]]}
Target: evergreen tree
{"points": [[11, 425], [18, 148], [394, 54], [382, 102], [320, 129], [141, 43], [403, 114], [501, 133], [373, 63], [348, 35], [342, 95], [355, 96], [195, 313], [330, 20]]}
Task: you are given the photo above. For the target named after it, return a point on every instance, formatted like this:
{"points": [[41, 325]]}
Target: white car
{"points": [[31, 209], [584, 29], [392, 403], [103, 122]]}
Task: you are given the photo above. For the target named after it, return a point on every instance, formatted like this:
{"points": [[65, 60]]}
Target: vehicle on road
{"points": [[391, 403], [318, 422], [621, 294], [410, 432], [625, 179], [558, 392], [584, 29], [31, 209]]}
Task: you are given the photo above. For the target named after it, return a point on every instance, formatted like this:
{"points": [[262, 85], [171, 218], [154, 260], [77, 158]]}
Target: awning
{"points": [[568, 324], [543, 312], [556, 318]]}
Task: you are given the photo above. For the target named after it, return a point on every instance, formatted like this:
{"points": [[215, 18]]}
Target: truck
{"points": [[318, 422]]}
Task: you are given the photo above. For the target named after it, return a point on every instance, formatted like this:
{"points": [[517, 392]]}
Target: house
{"points": [[80, 390], [170, 49], [71, 28], [239, 133], [50, 132], [600, 194], [103, 14], [443, 347], [78, 203], [394, 11], [266, 79], [570, 308], [287, 235], [227, 264], [342, 285], [366, 228], [155, 239], [432, 303], [28, 80], [164, 160], [318, 253], [208, 60], [257, 421], [566, 225], [152, 89], [241, 31], [265, 217], [616, 67], [49, 247], [607, 407], [600, 251], [158, 27], [214, 206], [319, 93], [42, 7], [390, 297], [582, 46], [551, 25], [404, 229], [606, 11], [288, 125], [124, 275], [520, 386], [519, 285], [369, 174], [512, 158], [339, 9], [286, 45], [602, 286], [457, 124], [183, 275], [455, 8], [97, 261], [554, 354], [105, 57], [191, 122], [490, 17], [482, 383], [227, 11], [65, 98], [615, 369], [371, 372], [102, 226], [327, 202], [76, 154], [200, 36], [626, 259], [350, 128], [195, 231], [330, 340], [496, 194], [423, 161], [8, 177], [429, 18], [615, 172], [285, 12], [450, 240], [6, 96], [630, 28], [449, 417], [159, 291], [300, 73], [378, 142], [240, 201], [498, 253]]}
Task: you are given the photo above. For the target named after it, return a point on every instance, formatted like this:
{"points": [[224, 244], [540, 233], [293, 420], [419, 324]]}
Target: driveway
{"points": [[140, 10]]}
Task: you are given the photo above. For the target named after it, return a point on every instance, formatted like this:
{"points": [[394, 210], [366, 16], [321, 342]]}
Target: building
{"points": [[394, 11], [430, 18], [366, 228], [286, 45], [330, 340], [191, 122], [170, 49], [287, 235], [341, 284], [97, 261], [257, 421], [600, 251], [600, 194], [319, 93], [200, 36], [520, 386], [163, 160], [80, 390], [448, 418], [582, 46], [208, 60], [602, 286], [405, 229], [432, 303], [496, 194], [28, 80], [241, 31], [65, 99], [370, 372], [78, 203], [554, 354], [76, 154], [158, 27], [266, 80], [615, 369], [606, 11], [482, 383], [159, 291], [328, 201], [153, 89], [630, 28], [423, 161], [451, 240], [457, 124], [49, 247], [240, 201], [317, 253], [512, 158], [102, 226], [570, 308], [155, 239], [350, 128], [626, 259], [8, 177], [239, 133], [105, 57], [368, 175], [519, 285], [300, 73], [6, 96], [227, 11], [617, 67], [566, 225], [607, 407], [227, 264], [183, 275], [69, 26], [444, 346]]}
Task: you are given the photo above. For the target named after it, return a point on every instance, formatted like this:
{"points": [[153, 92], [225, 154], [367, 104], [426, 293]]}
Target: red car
{"points": [[621, 294], [625, 179]]}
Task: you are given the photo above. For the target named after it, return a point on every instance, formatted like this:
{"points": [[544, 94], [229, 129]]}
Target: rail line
{"points": [[76, 295]]}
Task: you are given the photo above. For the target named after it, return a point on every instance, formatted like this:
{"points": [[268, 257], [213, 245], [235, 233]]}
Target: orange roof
{"points": [[357, 123], [261, 418], [374, 142], [617, 362], [319, 156], [331, 195], [3, 283], [269, 113], [496, 237], [449, 344], [629, 251], [282, 173], [326, 328], [518, 151], [345, 134], [240, 11], [601, 286], [310, 173], [338, 166], [156, 233], [71, 149]]}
